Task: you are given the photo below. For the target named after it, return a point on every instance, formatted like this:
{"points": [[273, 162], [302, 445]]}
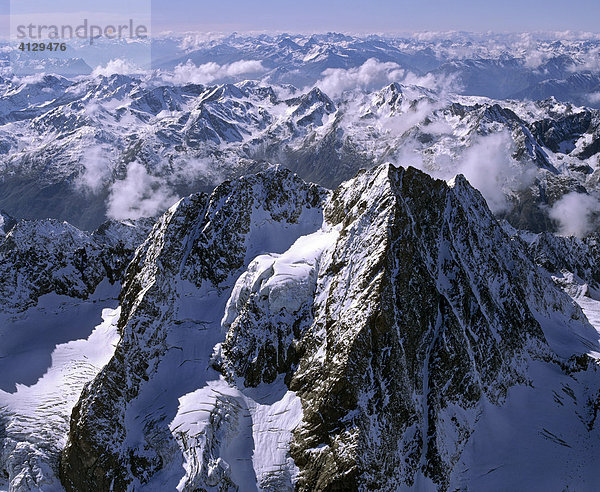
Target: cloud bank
{"points": [[138, 195], [116, 66], [372, 75], [487, 163], [489, 167], [189, 73], [576, 214]]}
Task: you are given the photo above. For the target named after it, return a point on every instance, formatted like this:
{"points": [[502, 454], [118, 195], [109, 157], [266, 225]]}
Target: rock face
{"points": [[194, 253], [276, 336], [559, 253]]}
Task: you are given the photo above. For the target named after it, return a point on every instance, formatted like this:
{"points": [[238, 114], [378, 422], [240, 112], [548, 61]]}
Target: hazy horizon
{"points": [[351, 16]]}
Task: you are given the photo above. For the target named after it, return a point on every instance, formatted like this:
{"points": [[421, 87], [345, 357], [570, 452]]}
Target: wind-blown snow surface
{"points": [[276, 336]]}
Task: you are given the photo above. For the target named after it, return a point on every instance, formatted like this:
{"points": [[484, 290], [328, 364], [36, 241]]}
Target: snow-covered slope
{"points": [[379, 330], [58, 312], [175, 293], [392, 334], [130, 144], [6, 223], [34, 419]]}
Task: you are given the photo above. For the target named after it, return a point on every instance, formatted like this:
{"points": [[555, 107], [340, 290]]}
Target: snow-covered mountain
{"points": [[56, 284], [125, 146], [492, 65], [6, 223], [278, 336], [40, 257], [275, 335]]}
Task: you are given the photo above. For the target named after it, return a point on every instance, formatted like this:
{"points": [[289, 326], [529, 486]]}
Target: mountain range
{"points": [[126, 147], [276, 335], [374, 266]]}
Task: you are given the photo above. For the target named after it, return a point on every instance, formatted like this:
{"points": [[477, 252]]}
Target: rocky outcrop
{"points": [[201, 244], [39, 257]]}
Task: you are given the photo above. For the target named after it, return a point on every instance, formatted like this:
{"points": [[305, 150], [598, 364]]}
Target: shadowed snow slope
{"points": [[34, 420]]}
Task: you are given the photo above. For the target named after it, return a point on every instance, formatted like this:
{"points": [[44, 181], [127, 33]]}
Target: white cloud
{"points": [[412, 113], [138, 195], [575, 213], [242, 67], [373, 74], [489, 167], [594, 97], [535, 58], [96, 171], [189, 73], [29, 79], [370, 75], [191, 169], [285, 91], [409, 155], [528, 45], [117, 65], [587, 61], [487, 164]]}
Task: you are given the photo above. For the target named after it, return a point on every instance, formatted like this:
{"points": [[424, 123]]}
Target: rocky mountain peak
{"points": [[385, 317]]}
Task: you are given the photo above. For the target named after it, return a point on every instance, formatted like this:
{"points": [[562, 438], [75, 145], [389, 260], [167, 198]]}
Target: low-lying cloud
{"points": [[587, 61], [192, 169], [412, 113], [116, 66], [594, 97], [489, 166], [189, 73], [96, 170], [576, 214], [372, 75], [138, 195], [487, 163]]}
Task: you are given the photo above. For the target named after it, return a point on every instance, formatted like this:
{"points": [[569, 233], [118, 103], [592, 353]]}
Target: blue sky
{"points": [[378, 15], [344, 15]]}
